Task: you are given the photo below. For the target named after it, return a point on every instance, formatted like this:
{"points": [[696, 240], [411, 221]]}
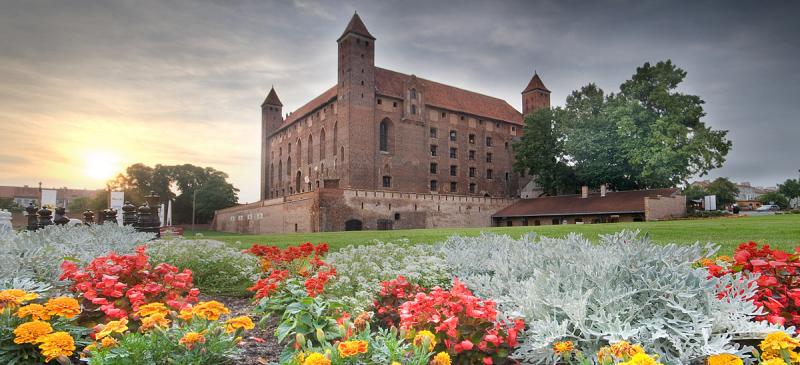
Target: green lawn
{"points": [[782, 231]]}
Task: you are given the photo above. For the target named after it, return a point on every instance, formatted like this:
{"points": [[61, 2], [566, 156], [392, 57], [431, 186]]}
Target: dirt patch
{"points": [[259, 346]]}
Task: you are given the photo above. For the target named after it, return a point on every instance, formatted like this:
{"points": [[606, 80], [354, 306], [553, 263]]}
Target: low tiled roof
{"points": [[535, 84], [312, 105], [391, 83], [631, 201]]}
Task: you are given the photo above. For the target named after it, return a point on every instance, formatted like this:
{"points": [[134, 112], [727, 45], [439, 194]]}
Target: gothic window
{"points": [[413, 93], [385, 135], [387, 181], [335, 135], [310, 149], [434, 168], [289, 166], [299, 153], [322, 144], [413, 109]]}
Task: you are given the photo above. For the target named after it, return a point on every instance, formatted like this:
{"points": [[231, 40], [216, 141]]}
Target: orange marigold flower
{"points": [[108, 342], [210, 310], [724, 359], [316, 359], [191, 338], [36, 311], [119, 326], [154, 320], [63, 306], [56, 344], [441, 358], [14, 297], [563, 347], [243, 322], [30, 332], [186, 313], [352, 348], [152, 308]]}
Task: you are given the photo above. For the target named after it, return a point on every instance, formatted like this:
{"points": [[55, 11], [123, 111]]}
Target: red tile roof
{"points": [[312, 105], [613, 203], [391, 83], [356, 26], [536, 83]]}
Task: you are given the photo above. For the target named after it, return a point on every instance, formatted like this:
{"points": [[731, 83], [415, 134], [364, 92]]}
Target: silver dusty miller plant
{"points": [[622, 288], [360, 270], [35, 257]]}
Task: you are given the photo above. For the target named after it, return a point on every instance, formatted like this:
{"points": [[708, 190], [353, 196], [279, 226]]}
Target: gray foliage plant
{"points": [[620, 288]]}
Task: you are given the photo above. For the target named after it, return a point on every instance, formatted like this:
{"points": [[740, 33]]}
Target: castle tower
{"points": [[535, 96], [271, 120], [356, 105]]}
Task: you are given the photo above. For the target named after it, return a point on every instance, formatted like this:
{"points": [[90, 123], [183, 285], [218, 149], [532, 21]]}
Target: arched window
{"points": [[289, 167], [413, 109], [384, 135], [322, 145], [299, 152], [413, 93], [310, 149], [280, 172], [335, 135]]}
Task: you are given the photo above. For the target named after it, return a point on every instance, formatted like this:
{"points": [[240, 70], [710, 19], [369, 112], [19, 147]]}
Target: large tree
{"points": [[540, 153], [725, 190], [790, 189], [648, 135], [774, 197]]}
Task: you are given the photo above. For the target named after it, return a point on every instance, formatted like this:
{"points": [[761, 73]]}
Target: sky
{"points": [[89, 87]]}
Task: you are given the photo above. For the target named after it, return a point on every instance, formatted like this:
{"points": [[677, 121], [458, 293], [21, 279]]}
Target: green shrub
{"points": [[216, 267], [360, 270]]}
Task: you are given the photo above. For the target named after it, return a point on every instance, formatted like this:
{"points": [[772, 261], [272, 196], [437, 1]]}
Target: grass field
{"points": [[781, 231]]}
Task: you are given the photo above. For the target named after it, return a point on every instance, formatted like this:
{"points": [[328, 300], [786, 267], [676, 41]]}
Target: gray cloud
{"points": [[195, 72]]}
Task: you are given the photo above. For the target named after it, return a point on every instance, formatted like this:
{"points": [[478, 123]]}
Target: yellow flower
{"points": [[191, 338], [36, 311], [12, 298], [395, 363], [441, 358], [119, 326], [30, 332], [775, 361], [641, 359], [300, 357], [210, 310], [108, 342], [316, 358], [155, 319], [772, 345], [63, 306], [424, 335], [186, 314], [152, 308], [243, 322], [352, 348], [724, 359], [563, 346], [56, 344]]}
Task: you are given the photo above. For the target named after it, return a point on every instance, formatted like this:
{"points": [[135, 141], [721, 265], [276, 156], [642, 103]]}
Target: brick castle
{"points": [[382, 150]]}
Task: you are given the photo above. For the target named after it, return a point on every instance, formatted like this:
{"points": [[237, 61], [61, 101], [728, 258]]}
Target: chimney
{"points": [[603, 190], [584, 191]]}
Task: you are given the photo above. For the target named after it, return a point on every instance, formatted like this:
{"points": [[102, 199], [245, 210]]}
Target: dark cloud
{"points": [[182, 67]]}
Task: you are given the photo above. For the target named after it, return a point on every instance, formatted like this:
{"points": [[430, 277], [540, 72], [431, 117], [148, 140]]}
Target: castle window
{"points": [[362, 82], [489, 157], [513, 128], [453, 152], [384, 135], [394, 104], [497, 124], [472, 139], [472, 155], [453, 187], [453, 136], [387, 181], [434, 185], [471, 172], [322, 144], [413, 109], [434, 132], [506, 176], [506, 144], [488, 141], [380, 102], [462, 117], [472, 188], [489, 174], [444, 114], [434, 168], [289, 166], [413, 93], [310, 150], [434, 150], [335, 135], [367, 44], [453, 170]]}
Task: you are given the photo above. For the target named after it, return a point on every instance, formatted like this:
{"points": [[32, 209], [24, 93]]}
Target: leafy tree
{"points": [[725, 190], [790, 189], [694, 192], [774, 197], [540, 153], [10, 205]]}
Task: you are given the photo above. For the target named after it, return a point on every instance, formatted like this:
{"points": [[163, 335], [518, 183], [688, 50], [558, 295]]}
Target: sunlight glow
{"points": [[101, 165]]}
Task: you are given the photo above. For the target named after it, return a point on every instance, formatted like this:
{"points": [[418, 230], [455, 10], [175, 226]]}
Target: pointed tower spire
{"points": [[272, 98], [356, 26], [535, 84]]}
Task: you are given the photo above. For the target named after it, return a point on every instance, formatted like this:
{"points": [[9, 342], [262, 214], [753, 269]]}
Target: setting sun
{"points": [[100, 165]]}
